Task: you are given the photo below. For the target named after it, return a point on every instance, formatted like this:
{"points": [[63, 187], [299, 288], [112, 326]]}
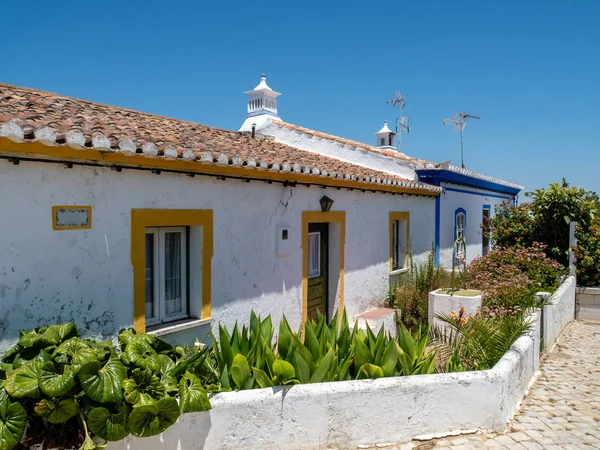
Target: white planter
{"points": [[442, 303]]}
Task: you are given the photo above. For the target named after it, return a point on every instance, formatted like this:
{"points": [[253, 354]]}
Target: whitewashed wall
{"points": [[86, 276], [559, 311], [472, 203]]}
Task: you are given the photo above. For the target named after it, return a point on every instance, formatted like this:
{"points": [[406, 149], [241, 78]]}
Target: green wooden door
{"points": [[318, 259]]}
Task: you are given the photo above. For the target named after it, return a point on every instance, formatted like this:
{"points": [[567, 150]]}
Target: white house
{"points": [[115, 218], [467, 197]]}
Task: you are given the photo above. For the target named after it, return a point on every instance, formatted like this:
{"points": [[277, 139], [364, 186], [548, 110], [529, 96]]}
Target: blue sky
{"points": [[530, 69]]}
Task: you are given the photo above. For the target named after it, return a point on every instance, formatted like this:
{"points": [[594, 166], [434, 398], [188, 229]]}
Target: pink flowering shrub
{"points": [[509, 277]]}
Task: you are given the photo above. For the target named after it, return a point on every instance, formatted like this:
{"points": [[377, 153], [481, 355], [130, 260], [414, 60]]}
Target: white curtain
{"points": [[314, 260], [173, 300]]}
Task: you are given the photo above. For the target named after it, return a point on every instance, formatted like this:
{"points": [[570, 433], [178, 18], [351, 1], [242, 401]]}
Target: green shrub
{"points": [[587, 253], [411, 294], [60, 386], [545, 219]]}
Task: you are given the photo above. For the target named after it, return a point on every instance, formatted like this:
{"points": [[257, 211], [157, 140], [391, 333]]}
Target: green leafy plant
{"points": [[61, 387], [545, 219], [587, 253], [411, 294]]}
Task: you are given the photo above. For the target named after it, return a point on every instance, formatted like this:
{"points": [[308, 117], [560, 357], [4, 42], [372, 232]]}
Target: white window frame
{"points": [[159, 275], [312, 271]]}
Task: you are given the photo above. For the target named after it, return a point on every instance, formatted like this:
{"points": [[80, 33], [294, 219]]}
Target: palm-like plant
{"points": [[478, 342]]}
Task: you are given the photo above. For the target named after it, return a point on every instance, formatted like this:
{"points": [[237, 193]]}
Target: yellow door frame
{"points": [[143, 218], [318, 217]]}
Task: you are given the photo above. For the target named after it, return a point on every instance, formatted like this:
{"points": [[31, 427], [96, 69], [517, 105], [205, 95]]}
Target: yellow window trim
{"points": [[59, 228], [143, 218], [398, 216], [61, 153], [309, 217]]}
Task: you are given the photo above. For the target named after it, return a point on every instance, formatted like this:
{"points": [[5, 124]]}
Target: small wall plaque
{"points": [[71, 217]]}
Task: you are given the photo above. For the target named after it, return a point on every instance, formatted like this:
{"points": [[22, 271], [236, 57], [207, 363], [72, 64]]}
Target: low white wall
{"points": [[587, 301], [366, 412], [559, 312]]}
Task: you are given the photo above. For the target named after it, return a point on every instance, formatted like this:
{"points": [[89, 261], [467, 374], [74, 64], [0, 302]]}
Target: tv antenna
{"points": [[459, 122], [402, 123]]}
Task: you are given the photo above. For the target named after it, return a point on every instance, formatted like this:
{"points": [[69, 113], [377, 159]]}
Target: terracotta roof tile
{"points": [[33, 110]]}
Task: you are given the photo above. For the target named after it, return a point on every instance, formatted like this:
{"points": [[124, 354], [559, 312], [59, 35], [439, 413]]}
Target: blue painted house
{"points": [[467, 199]]}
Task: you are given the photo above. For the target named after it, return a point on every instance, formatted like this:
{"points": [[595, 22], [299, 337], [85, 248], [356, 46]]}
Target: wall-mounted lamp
{"points": [[326, 203]]}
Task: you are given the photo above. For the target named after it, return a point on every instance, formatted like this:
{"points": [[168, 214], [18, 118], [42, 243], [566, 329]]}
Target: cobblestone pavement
{"points": [[562, 410]]}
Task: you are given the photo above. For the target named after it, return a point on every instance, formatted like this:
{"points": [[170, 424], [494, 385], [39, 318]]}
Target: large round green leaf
{"points": [[192, 395], [23, 382], [10, 354], [102, 383], [76, 351], [143, 388], [148, 420], [141, 354], [169, 381], [53, 384], [128, 335], [13, 420], [56, 411], [103, 349], [52, 335], [110, 425]]}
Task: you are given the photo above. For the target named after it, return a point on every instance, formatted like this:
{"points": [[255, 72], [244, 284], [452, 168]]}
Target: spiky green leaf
{"points": [[240, 370]]}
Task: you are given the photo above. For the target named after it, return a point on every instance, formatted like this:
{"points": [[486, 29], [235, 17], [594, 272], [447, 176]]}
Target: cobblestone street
{"points": [[562, 410]]}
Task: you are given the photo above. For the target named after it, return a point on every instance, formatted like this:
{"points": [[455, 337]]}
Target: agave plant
{"points": [[320, 352], [53, 377]]}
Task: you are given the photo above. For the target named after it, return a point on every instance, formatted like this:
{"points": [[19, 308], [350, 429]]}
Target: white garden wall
{"points": [[86, 276], [559, 312], [369, 412]]}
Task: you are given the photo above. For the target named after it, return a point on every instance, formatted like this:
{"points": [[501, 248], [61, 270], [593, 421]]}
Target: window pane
{"points": [[314, 257], [150, 299], [173, 276]]}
